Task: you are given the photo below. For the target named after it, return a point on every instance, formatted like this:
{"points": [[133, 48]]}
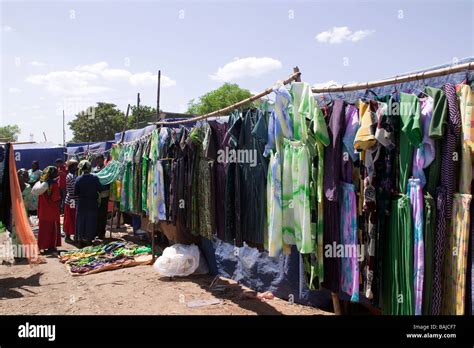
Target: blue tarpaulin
{"points": [[79, 148], [45, 153], [133, 134], [282, 275]]}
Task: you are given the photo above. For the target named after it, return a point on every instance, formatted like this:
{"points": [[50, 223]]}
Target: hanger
{"points": [[395, 89], [330, 95], [343, 93], [449, 73], [421, 88]]}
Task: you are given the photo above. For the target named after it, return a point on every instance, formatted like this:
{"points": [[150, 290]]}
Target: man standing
{"points": [[104, 199]]}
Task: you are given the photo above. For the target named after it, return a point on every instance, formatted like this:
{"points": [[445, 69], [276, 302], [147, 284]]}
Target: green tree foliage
{"points": [[219, 98], [139, 118], [9, 133], [97, 123]]}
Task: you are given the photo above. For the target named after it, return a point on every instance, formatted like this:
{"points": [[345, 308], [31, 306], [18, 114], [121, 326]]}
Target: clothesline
{"points": [[294, 77], [397, 79], [344, 88]]}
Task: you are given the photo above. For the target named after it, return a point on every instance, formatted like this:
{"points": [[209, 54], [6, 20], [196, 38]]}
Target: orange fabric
{"points": [[20, 219]]}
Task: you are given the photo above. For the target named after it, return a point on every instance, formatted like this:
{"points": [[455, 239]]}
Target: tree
{"points": [[219, 98], [97, 123], [9, 133], [139, 118]]}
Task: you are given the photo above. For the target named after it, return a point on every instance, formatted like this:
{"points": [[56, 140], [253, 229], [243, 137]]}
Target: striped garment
{"points": [[70, 181], [450, 152]]}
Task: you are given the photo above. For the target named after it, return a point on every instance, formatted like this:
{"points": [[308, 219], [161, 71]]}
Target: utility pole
{"points": [[138, 111], [125, 123], [158, 116], [64, 130]]}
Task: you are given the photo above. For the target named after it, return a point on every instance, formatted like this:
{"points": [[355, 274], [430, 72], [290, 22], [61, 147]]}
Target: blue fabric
{"points": [[45, 157], [99, 147], [133, 134], [281, 275]]}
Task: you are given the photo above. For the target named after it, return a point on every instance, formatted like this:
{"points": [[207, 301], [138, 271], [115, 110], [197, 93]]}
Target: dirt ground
{"points": [[50, 289]]}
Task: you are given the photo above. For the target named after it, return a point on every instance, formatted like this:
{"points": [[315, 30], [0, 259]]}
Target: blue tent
{"points": [[45, 153], [79, 148]]}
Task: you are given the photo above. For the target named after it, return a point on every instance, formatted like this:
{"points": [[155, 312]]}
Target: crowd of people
{"points": [[70, 189]]}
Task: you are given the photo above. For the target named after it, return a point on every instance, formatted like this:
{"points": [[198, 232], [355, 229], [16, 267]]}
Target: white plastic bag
{"points": [[39, 188], [178, 260]]}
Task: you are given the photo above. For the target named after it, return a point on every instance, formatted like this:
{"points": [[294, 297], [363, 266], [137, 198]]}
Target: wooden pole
{"points": [[125, 124], [222, 111], [398, 79]]}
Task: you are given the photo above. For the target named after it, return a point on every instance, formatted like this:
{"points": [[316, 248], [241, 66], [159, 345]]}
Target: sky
{"points": [[68, 55]]}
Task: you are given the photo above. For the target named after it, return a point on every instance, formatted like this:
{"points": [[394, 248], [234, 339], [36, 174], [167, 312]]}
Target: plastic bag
{"points": [[178, 260], [39, 188]]}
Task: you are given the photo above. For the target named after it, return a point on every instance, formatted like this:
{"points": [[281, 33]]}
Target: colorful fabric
{"points": [[466, 106], [456, 257], [425, 152], [410, 135], [349, 263], [365, 136], [274, 206], [399, 297], [416, 198], [296, 197], [280, 125], [429, 243], [321, 136]]}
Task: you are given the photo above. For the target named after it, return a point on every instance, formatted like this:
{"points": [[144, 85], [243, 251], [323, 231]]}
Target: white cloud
{"points": [[33, 107], [150, 78], [330, 83], [341, 34], [246, 67], [7, 28], [115, 74], [36, 63], [68, 82], [93, 68], [14, 90], [92, 79]]}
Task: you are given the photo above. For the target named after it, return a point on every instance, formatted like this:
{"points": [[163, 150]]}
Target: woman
{"points": [[70, 201], [86, 190], [49, 234], [23, 179]]}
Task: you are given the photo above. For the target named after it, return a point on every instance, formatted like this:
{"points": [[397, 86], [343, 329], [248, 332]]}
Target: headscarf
{"points": [[49, 174], [72, 166], [23, 178], [84, 167]]}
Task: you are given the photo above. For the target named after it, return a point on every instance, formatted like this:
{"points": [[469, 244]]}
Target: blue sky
{"points": [[68, 55]]}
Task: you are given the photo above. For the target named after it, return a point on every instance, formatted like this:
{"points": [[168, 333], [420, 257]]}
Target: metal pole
{"points": [[64, 130], [138, 110], [158, 97]]}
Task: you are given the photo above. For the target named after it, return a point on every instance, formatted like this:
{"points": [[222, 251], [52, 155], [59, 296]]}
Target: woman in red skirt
{"points": [[49, 203], [70, 201]]}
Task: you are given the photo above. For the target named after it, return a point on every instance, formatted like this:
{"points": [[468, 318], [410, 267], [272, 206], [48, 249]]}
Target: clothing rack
{"points": [[397, 79], [293, 77]]}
